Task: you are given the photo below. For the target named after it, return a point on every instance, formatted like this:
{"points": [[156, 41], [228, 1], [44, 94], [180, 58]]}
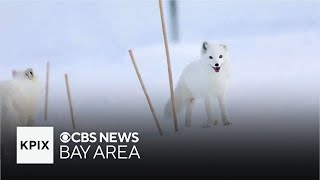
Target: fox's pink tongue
{"points": [[216, 69]]}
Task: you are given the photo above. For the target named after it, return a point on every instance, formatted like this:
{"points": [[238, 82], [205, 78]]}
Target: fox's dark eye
{"points": [[220, 56], [210, 57]]}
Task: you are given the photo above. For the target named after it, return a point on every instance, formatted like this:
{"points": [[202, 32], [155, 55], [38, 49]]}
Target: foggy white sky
{"points": [[35, 29]]}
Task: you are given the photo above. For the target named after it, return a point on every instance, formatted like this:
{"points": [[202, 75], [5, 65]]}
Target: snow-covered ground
{"points": [[273, 78], [275, 59]]}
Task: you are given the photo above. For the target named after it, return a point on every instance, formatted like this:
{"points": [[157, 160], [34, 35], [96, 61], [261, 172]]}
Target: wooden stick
{"points": [[145, 92], [47, 93], [70, 101], [169, 65]]}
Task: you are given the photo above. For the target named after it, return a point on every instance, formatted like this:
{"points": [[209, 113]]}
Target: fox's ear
{"points": [[29, 70], [224, 46], [14, 73], [204, 47], [29, 73]]}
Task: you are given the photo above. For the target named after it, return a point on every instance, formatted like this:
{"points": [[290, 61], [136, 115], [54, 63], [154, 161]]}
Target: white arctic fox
{"points": [[206, 78], [19, 99]]}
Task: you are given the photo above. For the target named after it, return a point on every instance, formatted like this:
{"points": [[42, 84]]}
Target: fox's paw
{"points": [[211, 124], [226, 123], [206, 125], [215, 123]]}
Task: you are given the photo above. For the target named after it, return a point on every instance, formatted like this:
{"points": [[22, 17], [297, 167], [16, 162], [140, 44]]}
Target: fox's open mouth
{"points": [[216, 69]]}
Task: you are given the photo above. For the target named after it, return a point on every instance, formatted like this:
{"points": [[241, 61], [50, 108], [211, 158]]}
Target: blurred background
{"points": [[62, 30]]}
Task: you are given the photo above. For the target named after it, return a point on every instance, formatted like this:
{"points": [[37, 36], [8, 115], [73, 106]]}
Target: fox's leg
{"points": [[31, 120], [32, 114], [223, 109], [189, 113], [209, 105]]}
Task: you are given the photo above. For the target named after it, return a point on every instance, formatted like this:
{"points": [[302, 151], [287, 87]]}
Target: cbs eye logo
{"points": [[78, 137], [65, 137]]}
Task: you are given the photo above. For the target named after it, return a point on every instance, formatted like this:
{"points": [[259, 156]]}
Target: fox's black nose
{"points": [[217, 64]]}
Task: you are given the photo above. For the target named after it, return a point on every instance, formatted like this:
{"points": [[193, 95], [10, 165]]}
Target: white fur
{"points": [[19, 100], [199, 80]]}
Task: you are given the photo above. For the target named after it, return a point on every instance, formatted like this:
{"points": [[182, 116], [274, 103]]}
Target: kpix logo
{"points": [[34, 145], [29, 145]]}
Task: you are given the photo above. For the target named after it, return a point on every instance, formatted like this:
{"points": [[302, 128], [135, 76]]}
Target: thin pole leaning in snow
{"points": [[70, 101], [47, 92], [169, 65], [145, 92]]}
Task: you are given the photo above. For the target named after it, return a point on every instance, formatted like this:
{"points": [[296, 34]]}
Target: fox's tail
{"points": [[182, 95]]}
